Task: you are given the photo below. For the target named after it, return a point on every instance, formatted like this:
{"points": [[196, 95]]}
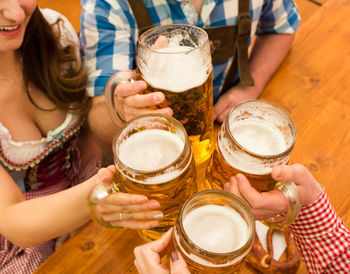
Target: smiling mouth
{"points": [[12, 28]]}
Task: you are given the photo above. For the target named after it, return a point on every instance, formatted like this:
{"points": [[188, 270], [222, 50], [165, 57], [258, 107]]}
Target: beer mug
{"points": [[153, 157], [255, 137], [181, 68], [214, 232]]}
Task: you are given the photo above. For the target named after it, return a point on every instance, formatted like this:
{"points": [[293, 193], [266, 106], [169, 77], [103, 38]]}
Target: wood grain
{"points": [[313, 86]]}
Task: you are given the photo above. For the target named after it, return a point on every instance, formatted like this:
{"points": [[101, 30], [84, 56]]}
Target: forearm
{"points": [[100, 123], [322, 239], [31, 222], [268, 53]]}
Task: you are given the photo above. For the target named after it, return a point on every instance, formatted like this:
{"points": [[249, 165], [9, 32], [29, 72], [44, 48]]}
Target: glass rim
{"points": [[222, 255], [183, 26], [163, 117], [277, 108]]}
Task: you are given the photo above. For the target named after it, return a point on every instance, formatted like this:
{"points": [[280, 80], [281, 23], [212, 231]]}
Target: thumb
{"points": [[178, 264], [160, 244], [105, 175], [309, 188], [296, 173]]}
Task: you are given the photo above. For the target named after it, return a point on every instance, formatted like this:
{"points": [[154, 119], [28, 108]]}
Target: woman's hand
{"points": [[147, 257], [267, 205], [130, 211]]}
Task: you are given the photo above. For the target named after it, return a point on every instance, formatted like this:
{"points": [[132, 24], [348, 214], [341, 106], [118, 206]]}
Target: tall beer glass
{"points": [[214, 232], [153, 157], [181, 68], [255, 137]]}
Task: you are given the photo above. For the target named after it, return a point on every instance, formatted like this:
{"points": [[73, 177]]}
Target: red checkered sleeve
{"points": [[322, 239]]}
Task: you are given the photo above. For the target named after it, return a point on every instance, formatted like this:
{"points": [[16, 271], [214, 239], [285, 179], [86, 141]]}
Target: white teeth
{"points": [[9, 28]]}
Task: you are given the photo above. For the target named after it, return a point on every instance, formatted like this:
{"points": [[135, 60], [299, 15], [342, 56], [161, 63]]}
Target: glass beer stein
{"points": [[255, 137], [214, 232], [153, 157], [180, 67]]}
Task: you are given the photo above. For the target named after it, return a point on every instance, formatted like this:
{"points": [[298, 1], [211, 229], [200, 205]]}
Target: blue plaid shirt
{"points": [[109, 32]]}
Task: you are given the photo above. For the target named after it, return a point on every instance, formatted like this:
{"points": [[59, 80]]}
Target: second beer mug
{"points": [[152, 157], [255, 137], [176, 60], [214, 232]]}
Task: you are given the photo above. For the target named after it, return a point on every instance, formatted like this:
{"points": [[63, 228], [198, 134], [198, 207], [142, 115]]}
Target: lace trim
{"points": [[53, 145]]}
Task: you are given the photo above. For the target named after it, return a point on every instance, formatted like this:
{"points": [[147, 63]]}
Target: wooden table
{"points": [[313, 86]]}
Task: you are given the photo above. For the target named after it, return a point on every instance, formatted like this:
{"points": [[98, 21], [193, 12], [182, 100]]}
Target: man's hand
{"points": [[232, 97]]}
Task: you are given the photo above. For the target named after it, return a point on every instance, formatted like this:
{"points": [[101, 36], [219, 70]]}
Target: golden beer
{"points": [[153, 157], [214, 232], [255, 137], [182, 70]]}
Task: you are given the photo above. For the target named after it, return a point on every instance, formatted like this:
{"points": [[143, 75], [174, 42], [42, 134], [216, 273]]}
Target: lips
{"points": [[10, 30]]}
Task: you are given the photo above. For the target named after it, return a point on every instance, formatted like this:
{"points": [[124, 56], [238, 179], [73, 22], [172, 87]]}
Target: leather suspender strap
{"points": [[226, 41], [141, 14], [244, 23]]}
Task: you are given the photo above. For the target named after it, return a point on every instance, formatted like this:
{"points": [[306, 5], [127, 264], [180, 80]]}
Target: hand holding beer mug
{"points": [[175, 61], [214, 232], [153, 157], [255, 137]]}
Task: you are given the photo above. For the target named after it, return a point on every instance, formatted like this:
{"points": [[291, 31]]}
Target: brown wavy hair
{"points": [[55, 70]]}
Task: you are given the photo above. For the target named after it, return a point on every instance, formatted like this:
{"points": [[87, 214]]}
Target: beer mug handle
{"points": [[291, 192], [100, 191], [113, 82]]}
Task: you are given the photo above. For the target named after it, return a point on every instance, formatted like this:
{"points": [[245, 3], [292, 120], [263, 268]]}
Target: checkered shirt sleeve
{"points": [[322, 239], [109, 32]]}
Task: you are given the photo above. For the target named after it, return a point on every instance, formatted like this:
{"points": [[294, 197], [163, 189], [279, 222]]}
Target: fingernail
{"points": [[239, 176], [141, 199], [155, 224], [226, 186], [158, 97], [174, 256], [277, 172], [167, 111], [104, 176], [153, 205], [140, 86], [158, 216]]}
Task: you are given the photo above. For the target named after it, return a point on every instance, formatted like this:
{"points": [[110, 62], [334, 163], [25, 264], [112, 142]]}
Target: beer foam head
{"points": [[150, 149], [175, 68], [258, 136], [215, 228]]}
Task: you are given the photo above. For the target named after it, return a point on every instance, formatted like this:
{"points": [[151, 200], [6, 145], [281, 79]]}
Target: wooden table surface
{"points": [[313, 86]]}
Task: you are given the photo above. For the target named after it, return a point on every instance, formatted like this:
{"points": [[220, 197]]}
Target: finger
{"points": [[160, 244], [248, 193], [161, 42], [232, 186], [133, 112], [138, 267], [104, 209], [221, 118], [146, 215], [221, 105], [296, 173], [178, 264], [133, 224], [131, 88], [144, 100], [105, 175], [272, 200], [125, 199]]}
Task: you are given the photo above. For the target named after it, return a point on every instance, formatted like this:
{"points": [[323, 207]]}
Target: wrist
{"points": [[313, 194]]}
